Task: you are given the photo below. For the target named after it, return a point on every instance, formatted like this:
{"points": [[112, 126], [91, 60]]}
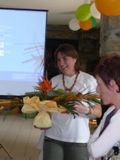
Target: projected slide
{"points": [[22, 47]]}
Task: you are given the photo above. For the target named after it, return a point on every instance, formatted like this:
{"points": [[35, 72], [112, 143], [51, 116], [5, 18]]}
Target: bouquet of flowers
{"points": [[63, 98], [57, 100]]}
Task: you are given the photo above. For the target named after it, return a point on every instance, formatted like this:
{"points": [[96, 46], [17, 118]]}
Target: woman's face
{"points": [[104, 91], [66, 64]]}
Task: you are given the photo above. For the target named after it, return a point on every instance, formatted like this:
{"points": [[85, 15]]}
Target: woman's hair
{"points": [[108, 69], [68, 50]]}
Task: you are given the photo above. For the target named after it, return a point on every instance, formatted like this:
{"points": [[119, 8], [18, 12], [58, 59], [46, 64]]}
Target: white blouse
{"points": [[64, 126], [100, 146]]}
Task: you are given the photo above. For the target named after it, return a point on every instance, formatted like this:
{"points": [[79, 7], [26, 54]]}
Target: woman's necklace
{"points": [[70, 88]]}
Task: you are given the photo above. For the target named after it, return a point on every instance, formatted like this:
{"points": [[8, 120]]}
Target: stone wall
{"points": [[110, 35]]}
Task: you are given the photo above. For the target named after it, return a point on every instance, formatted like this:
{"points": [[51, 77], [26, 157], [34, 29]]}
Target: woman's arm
{"points": [[91, 111], [100, 146]]}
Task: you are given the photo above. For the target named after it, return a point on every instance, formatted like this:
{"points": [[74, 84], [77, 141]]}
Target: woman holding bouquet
{"points": [[68, 137]]}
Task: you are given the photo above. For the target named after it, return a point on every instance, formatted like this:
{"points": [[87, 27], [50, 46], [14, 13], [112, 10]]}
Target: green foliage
{"points": [[67, 99]]}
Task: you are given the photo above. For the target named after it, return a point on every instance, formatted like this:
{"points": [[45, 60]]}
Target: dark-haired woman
{"points": [[68, 137], [106, 139]]}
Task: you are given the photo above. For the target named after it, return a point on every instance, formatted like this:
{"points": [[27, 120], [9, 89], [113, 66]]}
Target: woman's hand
{"points": [[81, 108], [92, 111]]}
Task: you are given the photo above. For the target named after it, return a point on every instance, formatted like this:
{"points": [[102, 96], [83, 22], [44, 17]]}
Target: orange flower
{"points": [[44, 85]]}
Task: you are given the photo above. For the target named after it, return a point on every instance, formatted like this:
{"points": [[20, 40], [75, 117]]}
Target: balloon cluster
{"points": [[86, 14], [85, 17]]}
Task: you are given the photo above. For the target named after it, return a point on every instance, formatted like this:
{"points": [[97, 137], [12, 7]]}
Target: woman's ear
{"points": [[113, 86]]}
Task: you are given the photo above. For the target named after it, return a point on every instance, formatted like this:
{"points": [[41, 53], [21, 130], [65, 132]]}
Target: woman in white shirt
{"points": [[107, 134], [68, 137]]}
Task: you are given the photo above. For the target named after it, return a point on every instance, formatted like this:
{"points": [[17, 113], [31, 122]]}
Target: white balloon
{"points": [[74, 24], [94, 12]]}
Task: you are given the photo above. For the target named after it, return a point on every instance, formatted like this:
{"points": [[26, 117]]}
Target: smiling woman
{"points": [[65, 128], [67, 62], [52, 44]]}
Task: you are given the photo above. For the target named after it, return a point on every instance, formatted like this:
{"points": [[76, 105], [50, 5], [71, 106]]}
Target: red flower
{"points": [[44, 85]]}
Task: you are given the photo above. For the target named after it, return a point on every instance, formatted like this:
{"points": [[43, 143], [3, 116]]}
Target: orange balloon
{"points": [[108, 7], [86, 25]]}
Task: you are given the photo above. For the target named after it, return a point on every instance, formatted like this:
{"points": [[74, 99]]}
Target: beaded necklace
{"points": [[70, 88]]}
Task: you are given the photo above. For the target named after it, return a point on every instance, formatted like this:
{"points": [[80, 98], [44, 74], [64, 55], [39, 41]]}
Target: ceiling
{"points": [[60, 12]]}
